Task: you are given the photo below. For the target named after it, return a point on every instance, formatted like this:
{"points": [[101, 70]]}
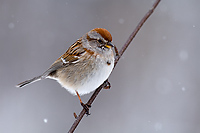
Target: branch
{"points": [[94, 95]]}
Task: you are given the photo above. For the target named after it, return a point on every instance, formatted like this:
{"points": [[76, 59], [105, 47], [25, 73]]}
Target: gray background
{"points": [[155, 86]]}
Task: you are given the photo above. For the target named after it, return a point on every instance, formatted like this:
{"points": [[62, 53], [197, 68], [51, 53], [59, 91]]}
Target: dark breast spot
{"points": [[108, 62]]}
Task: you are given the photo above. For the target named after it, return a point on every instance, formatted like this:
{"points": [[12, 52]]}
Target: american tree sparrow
{"points": [[84, 66]]}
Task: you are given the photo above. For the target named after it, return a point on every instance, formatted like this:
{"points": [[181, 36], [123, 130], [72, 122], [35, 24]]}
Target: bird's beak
{"points": [[109, 45]]}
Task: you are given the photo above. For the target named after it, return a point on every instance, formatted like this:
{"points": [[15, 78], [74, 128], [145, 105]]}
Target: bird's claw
{"points": [[86, 107]]}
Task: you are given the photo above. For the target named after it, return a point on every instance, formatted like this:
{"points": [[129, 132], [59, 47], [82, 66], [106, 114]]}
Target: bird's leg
{"points": [[85, 106]]}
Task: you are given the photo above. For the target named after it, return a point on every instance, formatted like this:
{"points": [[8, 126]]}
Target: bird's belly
{"points": [[85, 80]]}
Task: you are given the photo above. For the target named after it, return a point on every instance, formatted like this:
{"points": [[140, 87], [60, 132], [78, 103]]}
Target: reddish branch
{"points": [[94, 95]]}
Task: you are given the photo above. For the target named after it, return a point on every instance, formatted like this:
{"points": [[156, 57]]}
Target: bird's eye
{"points": [[100, 41]]}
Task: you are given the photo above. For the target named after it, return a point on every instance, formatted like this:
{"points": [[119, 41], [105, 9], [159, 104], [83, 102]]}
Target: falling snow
{"points": [[183, 88], [11, 25], [164, 37], [45, 120], [183, 55], [121, 20]]}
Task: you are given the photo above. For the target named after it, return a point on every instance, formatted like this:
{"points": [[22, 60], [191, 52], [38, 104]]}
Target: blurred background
{"points": [[155, 86]]}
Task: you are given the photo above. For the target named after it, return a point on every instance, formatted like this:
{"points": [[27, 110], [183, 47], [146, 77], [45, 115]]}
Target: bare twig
{"points": [[94, 95]]}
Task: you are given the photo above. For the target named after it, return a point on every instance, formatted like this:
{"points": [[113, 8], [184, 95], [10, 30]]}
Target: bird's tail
{"points": [[22, 84]]}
